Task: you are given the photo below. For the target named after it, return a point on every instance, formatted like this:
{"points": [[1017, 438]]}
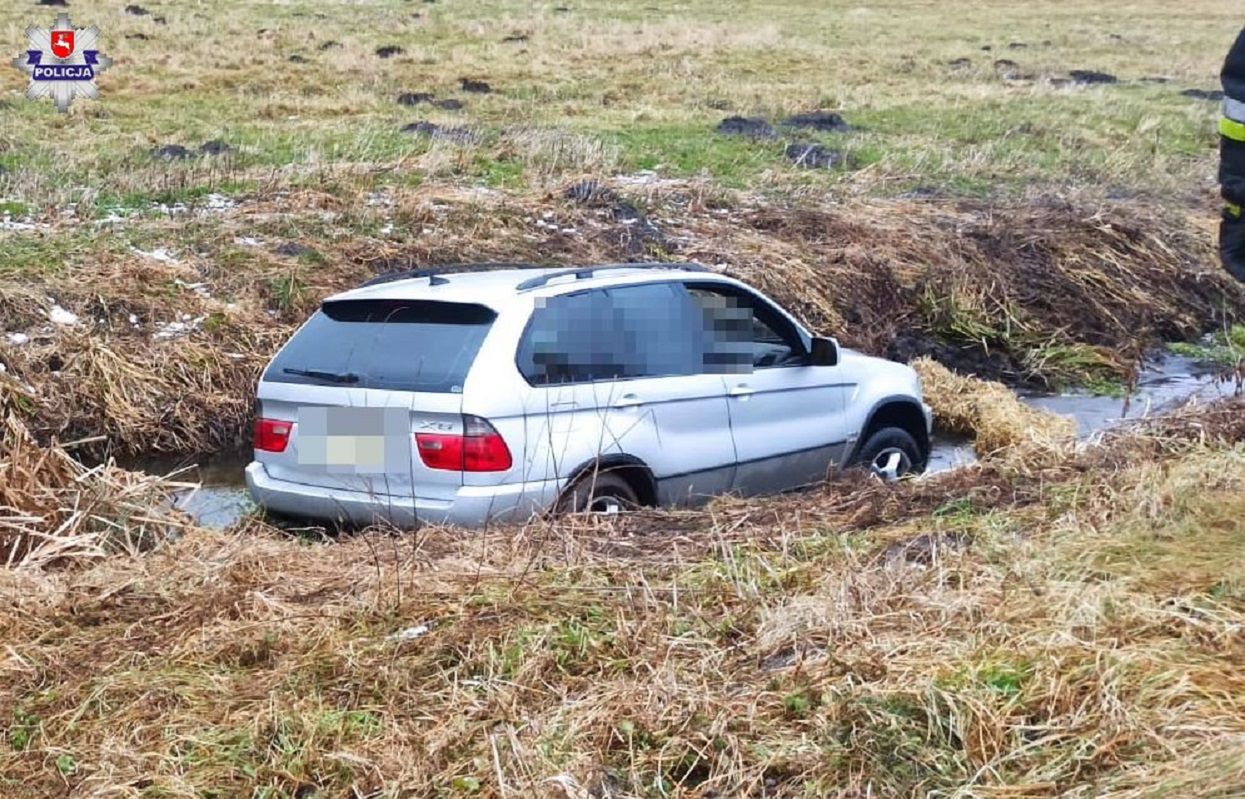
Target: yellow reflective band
{"points": [[1231, 129], [1234, 210]]}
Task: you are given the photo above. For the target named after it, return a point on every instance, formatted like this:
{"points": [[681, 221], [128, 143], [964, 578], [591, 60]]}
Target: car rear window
{"points": [[400, 345]]}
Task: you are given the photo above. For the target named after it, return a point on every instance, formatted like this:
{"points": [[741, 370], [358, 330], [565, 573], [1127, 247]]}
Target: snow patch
{"points": [[172, 330], [159, 254], [8, 223], [197, 288], [411, 633], [59, 316], [219, 202]]}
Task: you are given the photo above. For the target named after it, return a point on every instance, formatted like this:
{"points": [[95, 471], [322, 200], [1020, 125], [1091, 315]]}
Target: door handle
{"points": [[628, 401], [741, 390]]}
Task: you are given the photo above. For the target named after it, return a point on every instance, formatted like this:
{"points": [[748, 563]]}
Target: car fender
{"points": [[609, 461], [871, 410]]}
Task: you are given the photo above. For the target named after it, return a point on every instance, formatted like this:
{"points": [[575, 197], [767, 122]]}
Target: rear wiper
{"points": [[330, 377]]}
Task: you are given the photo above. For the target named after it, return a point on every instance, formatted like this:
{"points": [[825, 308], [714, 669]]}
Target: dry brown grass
{"points": [[990, 412], [1022, 293], [54, 510], [1077, 637]]}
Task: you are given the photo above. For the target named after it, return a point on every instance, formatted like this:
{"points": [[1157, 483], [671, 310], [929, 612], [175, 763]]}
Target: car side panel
{"points": [[789, 430], [676, 426]]}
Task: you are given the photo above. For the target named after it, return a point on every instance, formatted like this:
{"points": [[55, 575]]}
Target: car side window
{"points": [[568, 340], [610, 334], [745, 332]]}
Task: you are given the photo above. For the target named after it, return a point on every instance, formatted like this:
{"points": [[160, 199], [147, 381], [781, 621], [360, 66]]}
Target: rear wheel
{"points": [[891, 453], [598, 493]]}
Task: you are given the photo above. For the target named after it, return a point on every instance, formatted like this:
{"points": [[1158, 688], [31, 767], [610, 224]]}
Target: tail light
{"points": [[480, 448], [272, 435]]}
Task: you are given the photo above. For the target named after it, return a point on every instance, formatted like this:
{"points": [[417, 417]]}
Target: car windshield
{"points": [[400, 345]]}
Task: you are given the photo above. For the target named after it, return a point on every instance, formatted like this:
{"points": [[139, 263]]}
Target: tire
{"points": [[891, 453], [598, 492]]}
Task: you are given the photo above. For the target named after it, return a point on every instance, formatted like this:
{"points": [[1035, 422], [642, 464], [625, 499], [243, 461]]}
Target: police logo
{"points": [[62, 62]]}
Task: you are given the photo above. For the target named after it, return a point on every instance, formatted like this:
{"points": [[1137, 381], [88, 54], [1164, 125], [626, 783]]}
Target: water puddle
{"points": [[1170, 381], [221, 500], [949, 452]]}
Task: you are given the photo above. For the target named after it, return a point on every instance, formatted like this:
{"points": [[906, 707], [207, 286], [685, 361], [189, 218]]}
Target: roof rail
{"points": [[408, 274], [585, 272], [436, 275]]}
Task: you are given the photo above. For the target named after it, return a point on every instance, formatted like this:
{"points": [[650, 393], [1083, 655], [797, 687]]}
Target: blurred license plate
{"points": [[355, 440]]}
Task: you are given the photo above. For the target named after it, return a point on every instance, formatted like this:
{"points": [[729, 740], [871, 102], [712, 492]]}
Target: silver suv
{"points": [[474, 396]]}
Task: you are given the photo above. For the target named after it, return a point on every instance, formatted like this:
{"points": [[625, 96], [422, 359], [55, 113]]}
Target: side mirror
{"points": [[825, 352]]}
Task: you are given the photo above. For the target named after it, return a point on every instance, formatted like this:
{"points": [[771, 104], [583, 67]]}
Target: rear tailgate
{"points": [[358, 381]]}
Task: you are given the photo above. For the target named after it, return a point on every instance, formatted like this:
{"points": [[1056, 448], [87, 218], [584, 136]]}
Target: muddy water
{"points": [[221, 498], [1170, 381]]}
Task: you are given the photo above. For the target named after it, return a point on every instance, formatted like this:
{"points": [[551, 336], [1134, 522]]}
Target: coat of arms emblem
{"points": [[62, 62]]}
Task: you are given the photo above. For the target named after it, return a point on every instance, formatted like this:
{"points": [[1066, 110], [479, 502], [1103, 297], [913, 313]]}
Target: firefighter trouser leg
{"points": [[1232, 161], [1232, 242]]}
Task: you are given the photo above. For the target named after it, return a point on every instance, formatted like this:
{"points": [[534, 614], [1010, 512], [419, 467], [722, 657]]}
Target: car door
{"points": [[618, 369], [787, 417]]}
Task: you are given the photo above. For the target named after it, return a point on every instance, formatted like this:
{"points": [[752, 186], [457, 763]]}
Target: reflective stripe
{"points": [[1234, 210], [1231, 129], [1234, 109]]}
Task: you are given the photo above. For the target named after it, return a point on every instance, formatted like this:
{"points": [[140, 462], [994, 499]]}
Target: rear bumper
{"points": [[473, 506]]}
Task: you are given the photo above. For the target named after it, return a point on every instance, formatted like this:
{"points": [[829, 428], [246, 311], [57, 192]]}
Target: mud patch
{"points": [[966, 357], [414, 98], [1214, 95], [472, 86], [813, 156], [432, 130], [824, 121], [170, 152], [752, 127], [1007, 69], [1089, 77], [214, 147]]}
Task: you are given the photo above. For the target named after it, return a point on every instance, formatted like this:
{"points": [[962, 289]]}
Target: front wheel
{"points": [[891, 453], [598, 493]]}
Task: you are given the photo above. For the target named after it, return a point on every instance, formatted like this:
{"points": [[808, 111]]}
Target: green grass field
{"points": [[618, 87]]}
